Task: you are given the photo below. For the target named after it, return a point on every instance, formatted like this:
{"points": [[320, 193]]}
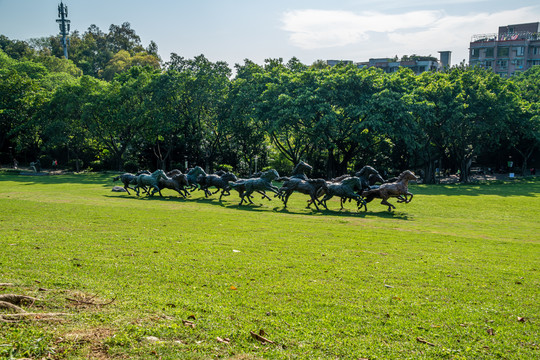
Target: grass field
{"points": [[455, 274]]}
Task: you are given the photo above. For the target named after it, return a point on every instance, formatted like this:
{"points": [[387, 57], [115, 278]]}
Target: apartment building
{"points": [[418, 64], [514, 48]]}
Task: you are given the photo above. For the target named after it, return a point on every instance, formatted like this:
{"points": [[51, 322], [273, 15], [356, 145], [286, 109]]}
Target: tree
{"points": [[65, 134], [524, 131], [244, 134], [114, 114], [203, 88], [472, 107]]}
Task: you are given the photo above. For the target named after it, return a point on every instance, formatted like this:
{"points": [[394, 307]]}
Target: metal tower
{"points": [[64, 24]]}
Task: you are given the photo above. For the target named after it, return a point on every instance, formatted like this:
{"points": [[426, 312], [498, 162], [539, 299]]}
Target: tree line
{"points": [[116, 105]]}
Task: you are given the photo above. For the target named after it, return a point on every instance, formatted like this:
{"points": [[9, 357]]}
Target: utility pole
{"points": [[64, 24]]}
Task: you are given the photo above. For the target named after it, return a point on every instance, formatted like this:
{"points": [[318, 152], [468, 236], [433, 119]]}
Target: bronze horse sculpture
{"points": [[177, 182], [246, 187], [398, 189], [151, 181], [219, 180], [299, 172], [130, 179], [310, 187], [346, 189], [193, 175]]}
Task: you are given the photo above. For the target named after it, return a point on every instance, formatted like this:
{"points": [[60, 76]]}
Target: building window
{"points": [[520, 50], [502, 64], [475, 53], [489, 63], [489, 52], [503, 52]]}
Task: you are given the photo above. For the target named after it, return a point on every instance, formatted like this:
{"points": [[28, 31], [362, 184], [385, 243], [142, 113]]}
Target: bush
{"points": [[131, 166], [72, 164], [97, 165], [225, 167]]}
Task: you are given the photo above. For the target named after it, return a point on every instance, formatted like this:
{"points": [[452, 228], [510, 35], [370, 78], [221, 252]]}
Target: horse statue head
{"points": [[375, 178], [407, 175], [270, 175], [366, 171], [159, 174], [300, 169], [228, 176], [196, 171]]}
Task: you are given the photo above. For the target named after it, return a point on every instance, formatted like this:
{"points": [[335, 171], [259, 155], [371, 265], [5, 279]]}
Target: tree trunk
{"points": [[331, 164], [429, 172], [465, 170]]}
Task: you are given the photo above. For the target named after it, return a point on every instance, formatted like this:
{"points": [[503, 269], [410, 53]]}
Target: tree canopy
{"points": [[116, 105]]}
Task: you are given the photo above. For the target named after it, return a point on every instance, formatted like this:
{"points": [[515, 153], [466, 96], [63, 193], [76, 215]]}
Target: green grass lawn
{"points": [[455, 274]]}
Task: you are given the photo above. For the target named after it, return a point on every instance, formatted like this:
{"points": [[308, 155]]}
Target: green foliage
{"points": [[336, 118]]}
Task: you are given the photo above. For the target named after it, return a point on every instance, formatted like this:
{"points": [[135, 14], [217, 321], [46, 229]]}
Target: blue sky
{"points": [[234, 30]]}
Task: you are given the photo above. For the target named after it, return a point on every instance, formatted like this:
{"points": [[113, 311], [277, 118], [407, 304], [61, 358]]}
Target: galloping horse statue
{"points": [[345, 189], [398, 189], [193, 175], [292, 182], [246, 187], [364, 175], [130, 179], [220, 182], [309, 187], [151, 181], [177, 182]]}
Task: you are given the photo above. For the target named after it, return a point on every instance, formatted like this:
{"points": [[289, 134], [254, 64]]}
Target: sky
{"points": [[310, 30]]}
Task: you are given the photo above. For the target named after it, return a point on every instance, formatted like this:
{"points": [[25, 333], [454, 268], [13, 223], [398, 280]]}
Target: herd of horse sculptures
{"points": [[362, 187]]}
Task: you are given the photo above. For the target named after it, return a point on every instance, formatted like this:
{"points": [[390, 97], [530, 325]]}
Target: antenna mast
{"points": [[64, 24]]}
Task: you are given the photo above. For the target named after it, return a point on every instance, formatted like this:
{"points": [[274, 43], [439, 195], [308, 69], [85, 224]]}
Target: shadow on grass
{"points": [[265, 207]]}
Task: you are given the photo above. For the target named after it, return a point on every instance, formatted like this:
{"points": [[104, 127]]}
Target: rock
{"points": [[150, 339], [118, 189]]}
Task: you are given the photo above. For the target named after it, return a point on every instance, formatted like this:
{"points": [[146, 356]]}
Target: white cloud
{"points": [[453, 30], [362, 35], [318, 29], [314, 29]]}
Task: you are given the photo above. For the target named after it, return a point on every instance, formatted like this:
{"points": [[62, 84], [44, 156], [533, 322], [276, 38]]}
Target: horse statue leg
{"points": [[156, 189], [313, 201], [264, 195], [223, 191], [385, 202], [325, 199], [285, 197], [410, 198], [360, 202]]}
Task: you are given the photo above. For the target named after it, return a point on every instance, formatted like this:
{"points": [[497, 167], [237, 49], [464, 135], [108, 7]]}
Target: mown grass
{"points": [[446, 276]]}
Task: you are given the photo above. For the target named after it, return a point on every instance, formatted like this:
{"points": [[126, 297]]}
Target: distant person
{"points": [[533, 171], [15, 164], [55, 164], [37, 165]]}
